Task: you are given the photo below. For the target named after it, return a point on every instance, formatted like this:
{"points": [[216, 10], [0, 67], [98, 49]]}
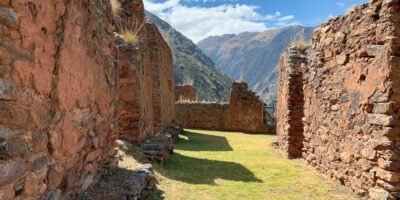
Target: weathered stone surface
{"points": [[245, 112], [146, 99], [379, 194], [351, 97], [123, 184], [10, 171], [379, 119], [290, 103], [57, 75]]}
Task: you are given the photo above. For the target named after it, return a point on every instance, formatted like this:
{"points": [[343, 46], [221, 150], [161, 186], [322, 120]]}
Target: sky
{"points": [[198, 19]]}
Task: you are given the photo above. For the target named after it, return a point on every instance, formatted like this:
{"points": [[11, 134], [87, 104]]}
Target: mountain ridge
{"points": [[254, 56], [192, 66]]}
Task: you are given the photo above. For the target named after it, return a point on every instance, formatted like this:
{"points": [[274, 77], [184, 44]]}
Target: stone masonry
{"points": [[351, 100], [245, 113], [162, 79], [146, 97], [64, 78], [290, 102], [57, 97], [185, 93]]}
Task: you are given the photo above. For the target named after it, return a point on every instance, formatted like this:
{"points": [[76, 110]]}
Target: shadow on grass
{"points": [[203, 171], [203, 142]]}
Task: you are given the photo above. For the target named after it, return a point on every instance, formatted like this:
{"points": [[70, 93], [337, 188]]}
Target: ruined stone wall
{"points": [[135, 99], [290, 102], [162, 78], [207, 116], [146, 97], [185, 93], [352, 100], [57, 89], [245, 113]]}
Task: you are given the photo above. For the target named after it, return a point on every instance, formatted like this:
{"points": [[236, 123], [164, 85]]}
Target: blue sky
{"points": [[198, 19]]}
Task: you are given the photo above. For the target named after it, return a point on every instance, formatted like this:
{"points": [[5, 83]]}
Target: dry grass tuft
{"points": [[130, 37], [116, 7], [299, 44]]}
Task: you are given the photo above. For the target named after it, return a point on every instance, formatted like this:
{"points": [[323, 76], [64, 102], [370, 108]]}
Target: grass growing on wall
{"points": [[210, 165]]}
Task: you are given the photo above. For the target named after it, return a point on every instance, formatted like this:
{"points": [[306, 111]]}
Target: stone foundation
{"points": [[245, 112]]}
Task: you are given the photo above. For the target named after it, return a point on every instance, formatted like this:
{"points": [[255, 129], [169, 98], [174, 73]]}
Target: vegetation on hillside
{"points": [[190, 63]]}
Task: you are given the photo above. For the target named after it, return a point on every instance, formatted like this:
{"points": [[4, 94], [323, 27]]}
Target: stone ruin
{"points": [[146, 94], [290, 101], [185, 93], [245, 112], [63, 78], [349, 101]]}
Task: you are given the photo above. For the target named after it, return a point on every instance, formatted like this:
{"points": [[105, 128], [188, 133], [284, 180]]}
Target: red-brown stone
{"points": [[245, 112]]}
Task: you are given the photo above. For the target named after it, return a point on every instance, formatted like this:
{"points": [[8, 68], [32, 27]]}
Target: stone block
{"points": [[9, 18], [11, 171], [342, 59], [388, 176], [12, 116], [7, 192], [8, 91], [383, 120], [378, 194], [54, 176], [383, 108], [17, 148]]}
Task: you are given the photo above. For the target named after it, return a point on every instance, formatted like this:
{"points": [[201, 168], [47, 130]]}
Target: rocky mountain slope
{"points": [[253, 56], [192, 66]]}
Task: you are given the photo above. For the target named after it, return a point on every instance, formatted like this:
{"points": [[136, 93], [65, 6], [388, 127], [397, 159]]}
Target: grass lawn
{"points": [[208, 165]]}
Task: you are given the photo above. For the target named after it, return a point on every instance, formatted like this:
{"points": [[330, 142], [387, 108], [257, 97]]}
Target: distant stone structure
{"points": [[351, 99], [245, 112], [185, 93]]}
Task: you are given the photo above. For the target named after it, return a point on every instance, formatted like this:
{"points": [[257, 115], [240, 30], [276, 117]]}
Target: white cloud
{"points": [[200, 22], [341, 4]]}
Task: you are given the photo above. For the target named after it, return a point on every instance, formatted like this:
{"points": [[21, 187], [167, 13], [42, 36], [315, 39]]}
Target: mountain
{"points": [[192, 66], [254, 56]]}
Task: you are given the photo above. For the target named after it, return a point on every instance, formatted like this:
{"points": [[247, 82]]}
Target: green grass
{"points": [[210, 165]]}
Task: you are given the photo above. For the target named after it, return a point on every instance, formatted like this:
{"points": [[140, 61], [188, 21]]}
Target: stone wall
{"points": [[57, 89], [290, 102], [245, 113], [162, 79], [207, 116], [185, 93], [146, 97], [351, 94]]}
